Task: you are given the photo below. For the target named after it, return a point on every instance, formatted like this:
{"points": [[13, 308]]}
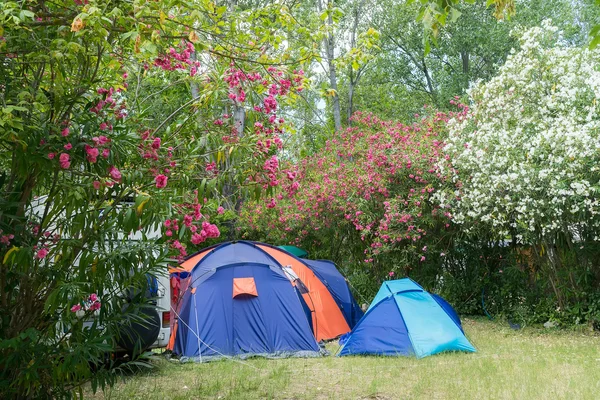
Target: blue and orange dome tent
{"points": [[235, 298]]}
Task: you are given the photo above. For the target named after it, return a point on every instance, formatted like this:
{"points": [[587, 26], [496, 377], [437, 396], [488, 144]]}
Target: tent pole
{"points": [[197, 330]]}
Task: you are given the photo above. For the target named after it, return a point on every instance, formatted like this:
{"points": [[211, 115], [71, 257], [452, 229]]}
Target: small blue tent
{"points": [[404, 319], [335, 282], [241, 303]]}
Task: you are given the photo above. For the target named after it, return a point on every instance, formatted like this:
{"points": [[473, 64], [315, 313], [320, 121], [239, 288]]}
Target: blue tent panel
{"points": [[380, 332], [306, 309], [213, 324], [431, 330], [327, 273], [232, 253], [448, 308]]}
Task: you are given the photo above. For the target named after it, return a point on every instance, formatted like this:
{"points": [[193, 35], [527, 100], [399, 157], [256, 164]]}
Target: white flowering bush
{"points": [[526, 160]]}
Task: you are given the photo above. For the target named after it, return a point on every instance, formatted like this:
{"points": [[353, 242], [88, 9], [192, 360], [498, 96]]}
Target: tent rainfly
{"points": [[405, 320]]}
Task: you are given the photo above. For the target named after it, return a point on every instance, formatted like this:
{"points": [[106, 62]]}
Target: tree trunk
{"points": [[329, 45], [464, 56], [350, 100], [465, 62], [429, 82], [194, 86], [239, 118], [352, 79], [333, 81], [232, 201]]}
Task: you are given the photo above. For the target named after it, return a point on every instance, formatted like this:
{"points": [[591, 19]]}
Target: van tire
{"points": [[136, 336]]}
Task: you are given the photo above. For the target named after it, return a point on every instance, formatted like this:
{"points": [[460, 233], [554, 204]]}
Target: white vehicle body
{"points": [[163, 298], [163, 292]]}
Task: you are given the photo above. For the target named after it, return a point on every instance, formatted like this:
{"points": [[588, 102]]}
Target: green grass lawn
{"points": [[527, 364]]}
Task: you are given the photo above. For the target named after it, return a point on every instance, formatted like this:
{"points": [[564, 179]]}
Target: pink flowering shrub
{"points": [[367, 196], [130, 137]]}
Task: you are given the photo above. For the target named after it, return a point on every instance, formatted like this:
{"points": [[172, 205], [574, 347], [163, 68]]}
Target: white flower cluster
{"points": [[527, 159]]}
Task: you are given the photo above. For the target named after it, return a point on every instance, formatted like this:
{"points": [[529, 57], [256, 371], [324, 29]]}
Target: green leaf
{"points": [[8, 253], [24, 14], [129, 220], [221, 10], [202, 187], [441, 18], [595, 41], [140, 202], [454, 14], [130, 35], [148, 47]]}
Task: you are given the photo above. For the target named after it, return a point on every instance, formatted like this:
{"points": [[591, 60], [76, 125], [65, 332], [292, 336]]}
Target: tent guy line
{"points": [[215, 350]]}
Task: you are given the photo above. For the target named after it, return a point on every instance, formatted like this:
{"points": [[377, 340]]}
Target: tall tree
{"points": [[403, 76], [327, 11], [355, 69]]}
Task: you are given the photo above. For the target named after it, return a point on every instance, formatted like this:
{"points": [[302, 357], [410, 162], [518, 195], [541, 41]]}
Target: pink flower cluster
{"points": [[270, 104], [5, 239], [271, 168], [377, 177], [41, 253], [196, 223], [235, 78], [179, 59], [276, 83], [211, 168], [161, 181], [64, 160], [208, 231], [107, 103], [114, 173], [92, 303], [100, 142], [100, 145], [151, 148]]}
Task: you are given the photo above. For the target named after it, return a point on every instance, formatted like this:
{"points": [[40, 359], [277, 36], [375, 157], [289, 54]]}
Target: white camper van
{"points": [[155, 332]]}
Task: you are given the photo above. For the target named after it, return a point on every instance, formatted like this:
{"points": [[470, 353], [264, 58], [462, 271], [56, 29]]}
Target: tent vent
{"points": [[243, 286]]}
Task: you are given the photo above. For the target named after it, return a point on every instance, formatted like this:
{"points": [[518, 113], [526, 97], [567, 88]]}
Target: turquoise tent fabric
{"points": [[297, 251], [390, 287], [404, 319]]}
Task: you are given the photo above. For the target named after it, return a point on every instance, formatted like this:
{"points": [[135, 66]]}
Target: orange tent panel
{"points": [[244, 286], [189, 264], [171, 344], [328, 320]]}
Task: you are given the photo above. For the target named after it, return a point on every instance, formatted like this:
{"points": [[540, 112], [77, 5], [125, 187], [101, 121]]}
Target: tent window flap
{"points": [[244, 286]]}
